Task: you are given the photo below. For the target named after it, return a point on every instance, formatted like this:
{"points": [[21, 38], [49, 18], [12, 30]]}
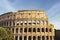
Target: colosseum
{"points": [[28, 25]]}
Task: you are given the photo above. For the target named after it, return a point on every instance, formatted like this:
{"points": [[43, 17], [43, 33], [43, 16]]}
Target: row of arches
{"points": [[34, 37], [15, 23], [21, 30]]}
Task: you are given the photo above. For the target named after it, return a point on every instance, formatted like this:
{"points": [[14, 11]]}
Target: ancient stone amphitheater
{"points": [[28, 25]]}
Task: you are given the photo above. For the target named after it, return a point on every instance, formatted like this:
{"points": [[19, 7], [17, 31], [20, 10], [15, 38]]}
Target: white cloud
{"points": [[54, 14], [6, 6], [56, 24], [53, 10]]}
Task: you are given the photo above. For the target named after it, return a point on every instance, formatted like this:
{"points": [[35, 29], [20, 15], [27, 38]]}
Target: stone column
{"points": [[15, 23], [8, 23], [18, 37], [49, 37], [11, 23], [36, 29], [23, 37], [41, 33], [45, 37], [32, 35], [19, 30], [23, 30], [27, 37], [41, 37], [52, 37], [14, 37], [14, 30], [36, 38], [11, 29], [45, 33], [19, 23], [27, 31], [48, 34], [32, 38]]}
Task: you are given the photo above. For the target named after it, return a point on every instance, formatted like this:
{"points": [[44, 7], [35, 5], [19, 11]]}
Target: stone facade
{"points": [[28, 25]]}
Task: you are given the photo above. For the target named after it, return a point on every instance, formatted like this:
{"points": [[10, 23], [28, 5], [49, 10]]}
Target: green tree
{"points": [[5, 34]]}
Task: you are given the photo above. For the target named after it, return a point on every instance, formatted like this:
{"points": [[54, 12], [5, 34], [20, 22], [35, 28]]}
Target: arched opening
{"points": [[13, 30], [25, 22], [21, 23], [38, 22], [20, 38], [34, 38], [17, 23], [16, 30], [34, 22], [38, 37], [29, 38], [43, 37], [16, 38], [46, 29], [34, 29], [42, 29], [38, 29], [47, 38], [29, 22], [25, 29], [50, 30], [21, 30], [50, 37], [30, 29], [25, 37], [42, 22]]}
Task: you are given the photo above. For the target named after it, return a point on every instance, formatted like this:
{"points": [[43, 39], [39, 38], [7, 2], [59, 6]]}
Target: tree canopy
{"points": [[5, 34]]}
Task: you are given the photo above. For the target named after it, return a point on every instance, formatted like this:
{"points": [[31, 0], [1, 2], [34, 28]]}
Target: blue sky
{"points": [[52, 8]]}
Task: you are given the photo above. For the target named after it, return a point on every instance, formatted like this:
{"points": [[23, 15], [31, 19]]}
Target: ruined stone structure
{"points": [[28, 25]]}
